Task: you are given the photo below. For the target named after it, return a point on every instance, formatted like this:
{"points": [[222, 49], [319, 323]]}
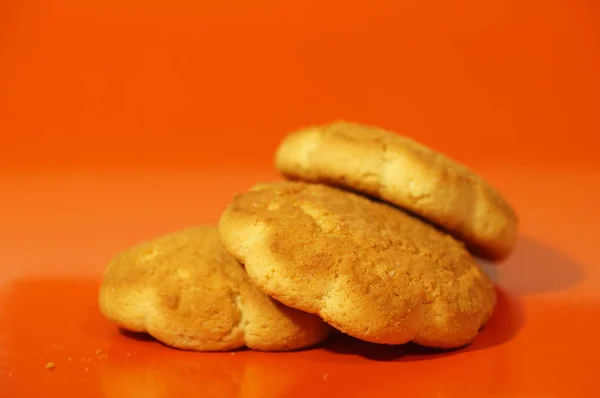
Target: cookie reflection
{"points": [[170, 374]]}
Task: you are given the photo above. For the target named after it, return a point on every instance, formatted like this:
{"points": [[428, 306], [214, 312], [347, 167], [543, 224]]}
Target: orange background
{"points": [[122, 120], [190, 83]]}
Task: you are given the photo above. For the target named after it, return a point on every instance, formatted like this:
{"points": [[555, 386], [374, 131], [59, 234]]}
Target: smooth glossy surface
{"points": [[123, 120]]}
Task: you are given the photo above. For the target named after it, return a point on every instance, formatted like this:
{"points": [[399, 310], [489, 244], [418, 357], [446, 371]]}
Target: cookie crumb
{"points": [[128, 354], [101, 354], [86, 369], [9, 374], [50, 365], [326, 376], [69, 359], [232, 353]]}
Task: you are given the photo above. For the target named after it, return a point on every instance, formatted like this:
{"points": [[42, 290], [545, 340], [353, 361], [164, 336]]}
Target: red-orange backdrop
{"points": [[196, 84]]}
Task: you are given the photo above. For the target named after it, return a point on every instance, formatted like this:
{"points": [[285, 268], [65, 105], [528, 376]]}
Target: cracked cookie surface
{"points": [[401, 171], [185, 290], [369, 269]]}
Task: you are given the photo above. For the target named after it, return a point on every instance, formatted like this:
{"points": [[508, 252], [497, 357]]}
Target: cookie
{"points": [[185, 290], [367, 268], [401, 171]]}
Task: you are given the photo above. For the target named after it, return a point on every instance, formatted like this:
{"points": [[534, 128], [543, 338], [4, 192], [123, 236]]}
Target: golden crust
{"points": [[401, 171], [188, 292], [367, 268]]}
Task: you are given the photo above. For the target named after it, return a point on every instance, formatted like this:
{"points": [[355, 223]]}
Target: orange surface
{"points": [[122, 120]]}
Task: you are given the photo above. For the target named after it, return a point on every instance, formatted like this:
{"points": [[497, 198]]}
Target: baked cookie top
{"points": [[188, 292], [401, 171], [367, 268]]}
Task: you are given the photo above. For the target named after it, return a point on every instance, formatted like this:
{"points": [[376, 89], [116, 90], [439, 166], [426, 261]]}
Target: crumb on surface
{"points": [[69, 359], [326, 376], [9, 374], [128, 354], [232, 353], [101, 354], [86, 369], [50, 365]]}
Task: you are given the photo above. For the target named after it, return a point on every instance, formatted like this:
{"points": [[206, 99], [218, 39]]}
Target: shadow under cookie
{"points": [[535, 267]]}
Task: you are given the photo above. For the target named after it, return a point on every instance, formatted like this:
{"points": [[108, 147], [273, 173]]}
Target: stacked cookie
{"points": [[370, 233]]}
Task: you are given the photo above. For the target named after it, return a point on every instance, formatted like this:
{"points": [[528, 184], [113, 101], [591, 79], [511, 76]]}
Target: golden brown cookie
{"points": [[366, 267], [403, 172], [186, 291]]}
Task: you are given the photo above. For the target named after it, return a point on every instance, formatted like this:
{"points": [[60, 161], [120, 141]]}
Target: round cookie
{"points": [[403, 172], [185, 290], [367, 268]]}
